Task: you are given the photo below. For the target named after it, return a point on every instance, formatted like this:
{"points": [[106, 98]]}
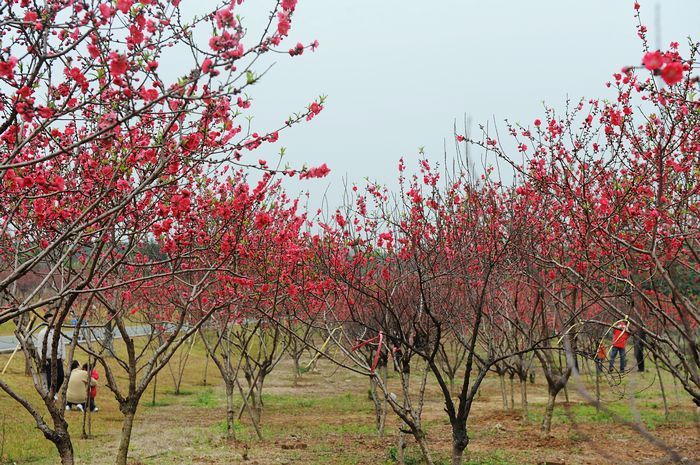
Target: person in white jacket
{"points": [[45, 342]]}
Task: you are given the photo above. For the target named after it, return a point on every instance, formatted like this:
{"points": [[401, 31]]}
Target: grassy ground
{"points": [[327, 419], [7, 329]]}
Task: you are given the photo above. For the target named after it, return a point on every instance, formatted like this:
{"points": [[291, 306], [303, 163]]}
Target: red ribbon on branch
{"points": [[380, 338]]}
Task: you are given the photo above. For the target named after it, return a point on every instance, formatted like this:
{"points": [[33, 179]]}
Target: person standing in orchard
{"points": [[620, 336], [600, 356], [45, 339]]}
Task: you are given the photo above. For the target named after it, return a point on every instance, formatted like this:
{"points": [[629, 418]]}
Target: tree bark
{"points": [[377, 405], [65, 448], [230, 413], [504, 397], [548, 413], [420, 438], [125, 440], [155, 383], [512, 394], [206, 365], [460, 441], [597, 388], [297, 369], [383, 370], [523, 399]]}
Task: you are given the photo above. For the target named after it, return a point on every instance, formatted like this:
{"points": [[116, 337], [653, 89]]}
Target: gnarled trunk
{"points": [[65, 447], [548, 412]]}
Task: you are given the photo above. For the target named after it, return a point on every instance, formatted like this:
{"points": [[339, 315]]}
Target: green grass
{"points": [[348, 428], [348, 402], [238, 428], [7, 329], [491, 458], [650, 414], [205, 399], [162, 401], [183, 392]]}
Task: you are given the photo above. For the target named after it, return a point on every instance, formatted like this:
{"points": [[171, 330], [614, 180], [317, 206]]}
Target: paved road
{"points": [[8, 343]]}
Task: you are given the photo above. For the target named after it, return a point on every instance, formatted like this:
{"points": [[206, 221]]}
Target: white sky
{"points": [[398, 73]]}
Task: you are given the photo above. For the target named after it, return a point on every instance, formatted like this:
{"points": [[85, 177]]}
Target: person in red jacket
{"points": [[93, 389], [620, 335], [600, 357]]}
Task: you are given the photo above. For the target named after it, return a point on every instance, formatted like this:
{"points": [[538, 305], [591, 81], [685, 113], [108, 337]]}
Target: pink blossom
{"points": [[117, 64], [653, 60], [262, 219], [124, 5], [672, 73], [317, 172], [7, 68], [289, 4], [206, 65], [106, 10], [283, 24], [30, 16], [93, 51]]}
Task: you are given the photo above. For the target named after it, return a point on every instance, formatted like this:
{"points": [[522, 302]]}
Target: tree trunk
{"points": [[245, 405], [297, 369], [420, 438], [512, 394], [597, 388], [65, 448], [523, 399], [206, 365], [548, 413], [401, 446], [504, 397], [127, 426], [384, 373], [377, 405], [155, 383], [27, 366], [230, 413], [460, 441]]}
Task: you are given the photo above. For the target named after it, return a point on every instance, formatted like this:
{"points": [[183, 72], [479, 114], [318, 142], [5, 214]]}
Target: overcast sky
{"points": [[397, 73]]}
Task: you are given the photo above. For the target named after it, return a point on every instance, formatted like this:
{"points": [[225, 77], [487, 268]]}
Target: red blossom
{"points": [[117, 64], [653, 60], [317, 172], [124, 5], [30, 16], [289, 4], [283, 24], [672, 73], [206, 65], [106, 10], [7, 68]]}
